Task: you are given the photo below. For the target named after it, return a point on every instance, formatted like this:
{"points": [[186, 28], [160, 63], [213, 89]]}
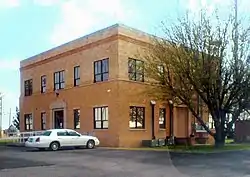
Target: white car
{"points": [[57, 138]]}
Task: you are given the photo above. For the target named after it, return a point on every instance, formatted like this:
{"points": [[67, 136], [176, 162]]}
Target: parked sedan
{"points": [[57, 138]]}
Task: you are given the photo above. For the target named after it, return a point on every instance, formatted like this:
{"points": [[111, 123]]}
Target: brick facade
{"points": [[118, 43]]}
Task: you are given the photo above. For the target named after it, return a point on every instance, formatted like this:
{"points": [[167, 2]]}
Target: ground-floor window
{"points": [[162, 118], [28, 122], [76, 118], [43, 121], [101, 118], [137, 117]]}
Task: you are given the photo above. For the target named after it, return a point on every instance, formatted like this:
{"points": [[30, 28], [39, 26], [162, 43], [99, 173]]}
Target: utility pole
{"points": [[1, 113], [10, 118]]}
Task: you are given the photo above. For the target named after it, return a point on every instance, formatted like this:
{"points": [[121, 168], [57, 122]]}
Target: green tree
{"points": [[16, 119], [208, 59]]}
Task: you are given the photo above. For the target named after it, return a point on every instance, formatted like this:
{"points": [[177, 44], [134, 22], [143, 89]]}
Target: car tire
{"points": [[54, 146], [90, 144]]}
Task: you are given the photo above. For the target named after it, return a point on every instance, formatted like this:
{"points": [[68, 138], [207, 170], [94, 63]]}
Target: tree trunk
{"points": [[220, 130], [219, 138]]}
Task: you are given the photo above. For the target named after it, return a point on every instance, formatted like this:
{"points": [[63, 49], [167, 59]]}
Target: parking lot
{"points": [[20, 162]]}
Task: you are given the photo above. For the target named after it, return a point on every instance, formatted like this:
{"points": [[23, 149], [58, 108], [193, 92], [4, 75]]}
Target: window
{"points": [[43, 120], [73, 133], [162, 118], [62, 133], [46, 133], [101, 118], [59, 82], [43, 84], [136, 70], [28, 87], [76, 118], [76, 75], [101, 70], [137, 117], [28, 122]]}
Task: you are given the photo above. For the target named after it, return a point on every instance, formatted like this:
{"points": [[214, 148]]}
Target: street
{"points": [[20, 162]]}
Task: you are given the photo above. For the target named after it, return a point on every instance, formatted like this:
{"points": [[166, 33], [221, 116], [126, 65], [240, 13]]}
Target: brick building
{"points": [[92, 84]]}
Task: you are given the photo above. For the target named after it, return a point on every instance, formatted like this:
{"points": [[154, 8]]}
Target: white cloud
{"points": [[46, 2], [80, 17], [9, 3], [11, 64]]}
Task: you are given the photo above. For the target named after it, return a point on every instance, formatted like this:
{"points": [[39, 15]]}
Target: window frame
{"points": [[61, 80], [43, 85], [30, 124], [77, 75], [164, 119], [43, 123], [102, 120], [28, 87], [101, 73], [75, 111], [133, 70], [136, 117]]}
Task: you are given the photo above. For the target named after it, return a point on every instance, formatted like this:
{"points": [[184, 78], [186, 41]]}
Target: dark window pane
{"points": [[137, 118], [62, 85], [105, 66], [76, 118], [101, 72], [105, 76], [162, 118], [136, 70], [98, 78], [131, 66]]}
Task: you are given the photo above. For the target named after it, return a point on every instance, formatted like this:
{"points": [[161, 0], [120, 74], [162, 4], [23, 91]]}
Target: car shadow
{"points": [[47, 149]]}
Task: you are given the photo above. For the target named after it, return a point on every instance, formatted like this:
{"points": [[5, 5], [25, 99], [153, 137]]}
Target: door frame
{"points": [[53, 117]]}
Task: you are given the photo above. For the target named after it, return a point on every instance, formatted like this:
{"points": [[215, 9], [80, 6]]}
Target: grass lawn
{"points": [[193, 149], [6, 141], [208, 148]]}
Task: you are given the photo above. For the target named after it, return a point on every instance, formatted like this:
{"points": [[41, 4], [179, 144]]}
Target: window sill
{"points": [[162, 129], [137, 129]]}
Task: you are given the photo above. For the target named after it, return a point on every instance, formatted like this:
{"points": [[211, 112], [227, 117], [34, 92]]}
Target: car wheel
{"points": [[90, 144], [54, 146]]}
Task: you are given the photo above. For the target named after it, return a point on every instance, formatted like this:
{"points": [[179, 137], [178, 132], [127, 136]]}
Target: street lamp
{"points": [[152, 103]]}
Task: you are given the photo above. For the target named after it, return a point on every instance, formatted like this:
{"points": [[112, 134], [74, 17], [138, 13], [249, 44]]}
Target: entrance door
{"points": [[58, 119]]}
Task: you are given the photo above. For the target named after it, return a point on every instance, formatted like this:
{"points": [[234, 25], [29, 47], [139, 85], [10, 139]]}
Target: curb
{"points": [[174, 151]]}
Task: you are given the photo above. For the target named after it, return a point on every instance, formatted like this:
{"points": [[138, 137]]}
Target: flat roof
{"points": [[109, 31]]}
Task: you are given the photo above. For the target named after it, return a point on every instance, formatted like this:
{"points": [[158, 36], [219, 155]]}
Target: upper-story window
{"points": [[43, 84], [101, 70], [136, 70], [76, 75], [28, 88], [59, 80]]}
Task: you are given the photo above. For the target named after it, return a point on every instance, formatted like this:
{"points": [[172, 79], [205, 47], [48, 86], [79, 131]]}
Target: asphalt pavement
{"points": [[22, 162]]}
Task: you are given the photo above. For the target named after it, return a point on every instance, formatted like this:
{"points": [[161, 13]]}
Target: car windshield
{"points": [[46, 133]]}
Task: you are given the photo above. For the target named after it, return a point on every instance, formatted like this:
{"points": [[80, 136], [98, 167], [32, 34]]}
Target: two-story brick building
{"points": [[95, 84]]}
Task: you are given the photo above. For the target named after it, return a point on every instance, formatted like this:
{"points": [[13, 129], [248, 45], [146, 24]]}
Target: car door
{"points": [[76, 139], [64, 138]]}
